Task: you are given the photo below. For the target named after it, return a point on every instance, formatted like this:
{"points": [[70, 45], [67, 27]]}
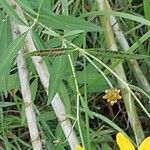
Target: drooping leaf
{"points": [[56, 76], [11, 12], [12, 83], [7, 57], [67, 23], [6, 104], [46, 115], [64, 95], [70, 33], [12, 50], [5, 33], [118, 14], [26, 6], [31, 7], [94, 81], [34, 88], [5, 40]]}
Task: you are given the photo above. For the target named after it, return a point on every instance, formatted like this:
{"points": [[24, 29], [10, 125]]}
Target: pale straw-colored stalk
{"points": [[43, 73], [140, 78], [26, 95], [128, 100]]}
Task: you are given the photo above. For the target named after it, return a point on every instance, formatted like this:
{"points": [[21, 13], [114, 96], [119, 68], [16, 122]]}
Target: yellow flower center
{"points": [[112, 96]]}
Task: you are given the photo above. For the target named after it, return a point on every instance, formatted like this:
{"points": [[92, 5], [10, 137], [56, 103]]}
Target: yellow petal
{"points": [[145, 145], [113, 102], [119, 97], [106, 91], [78, 147], [123, 142], [104, 97]]}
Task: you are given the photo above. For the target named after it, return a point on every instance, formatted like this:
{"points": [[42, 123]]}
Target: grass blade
{"points": [[11, 12], [12, 50], [57, 74]]}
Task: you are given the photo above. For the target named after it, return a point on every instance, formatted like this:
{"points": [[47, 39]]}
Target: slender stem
{"points": [[120, 75], [141, 79], [43, 73], [26, 94], [78, 101]]}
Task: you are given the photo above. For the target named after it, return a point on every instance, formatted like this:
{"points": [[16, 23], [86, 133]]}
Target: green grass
{"points": [[81, 66]]}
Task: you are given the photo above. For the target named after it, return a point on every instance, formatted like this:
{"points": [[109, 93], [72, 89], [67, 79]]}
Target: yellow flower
{"points": [[112, 96], [125, 144], [78, 147]]}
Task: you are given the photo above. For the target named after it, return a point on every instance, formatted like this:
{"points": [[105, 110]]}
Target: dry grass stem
{"points": [[43, 73], [26, 94], [128, 100]]}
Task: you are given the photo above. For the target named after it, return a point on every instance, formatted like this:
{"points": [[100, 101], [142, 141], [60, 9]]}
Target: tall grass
{"points": [[58, 59]]}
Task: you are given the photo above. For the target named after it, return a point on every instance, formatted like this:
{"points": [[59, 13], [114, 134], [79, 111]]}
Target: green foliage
{"points": [[7, 57], [62, 30], [57, 74], [11, 12], [67, 23], [95, 51]]}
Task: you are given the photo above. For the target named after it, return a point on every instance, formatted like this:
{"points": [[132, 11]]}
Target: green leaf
{"points": [[64, 95], [7, 144], [5, 34], [31, 7], [8, 55], [26, 6], [106, 120], [67, 23], [5, 40], [11, 12], [146, 4], [118, 14], [56, 76], [46, 8], [6, 104], [13, 83], [50, 32], [34, 87], [37, 41], [46, 115], [105, 146], [70, 33], [94, 81]]}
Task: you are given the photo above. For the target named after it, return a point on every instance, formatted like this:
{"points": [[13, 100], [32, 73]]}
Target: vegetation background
{"points": [[59, 59]]}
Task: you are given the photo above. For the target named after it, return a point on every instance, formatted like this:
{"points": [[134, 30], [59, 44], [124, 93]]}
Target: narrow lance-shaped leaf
{"points": [[5, 39], [118, 14], [5, 33], [11, 12], [67, 23], [56, 76], [12, 50], [26, 6]]}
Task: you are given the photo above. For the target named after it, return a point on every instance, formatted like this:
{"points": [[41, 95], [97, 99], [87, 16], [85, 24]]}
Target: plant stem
{"points": [[26, 94], [43, 73], [128, 100], [140, 78]]}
